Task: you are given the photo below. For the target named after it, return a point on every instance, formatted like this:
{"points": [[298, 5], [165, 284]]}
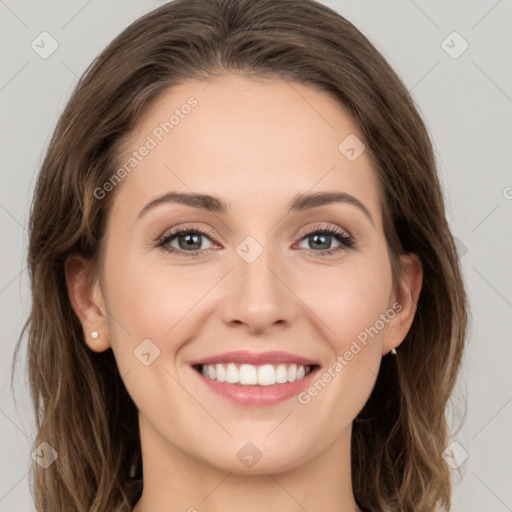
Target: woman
{"points": [[191, 346]]}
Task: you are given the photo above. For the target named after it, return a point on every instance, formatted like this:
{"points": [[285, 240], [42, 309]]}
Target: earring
{"points": [[393, 351], [94, 334]]}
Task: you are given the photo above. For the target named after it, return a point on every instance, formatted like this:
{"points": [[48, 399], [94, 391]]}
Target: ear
{"points": [[405, 301], [87, 301]]}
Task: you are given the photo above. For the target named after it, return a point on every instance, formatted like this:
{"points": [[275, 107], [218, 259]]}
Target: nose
{"points": [[257, 296]]}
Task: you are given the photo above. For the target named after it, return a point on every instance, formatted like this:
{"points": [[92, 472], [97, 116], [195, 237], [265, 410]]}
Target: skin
{"points": [[256, 145]]}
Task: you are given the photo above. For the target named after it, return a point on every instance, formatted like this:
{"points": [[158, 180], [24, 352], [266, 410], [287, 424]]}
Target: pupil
{"points": [[320, 236], [189, 243]]}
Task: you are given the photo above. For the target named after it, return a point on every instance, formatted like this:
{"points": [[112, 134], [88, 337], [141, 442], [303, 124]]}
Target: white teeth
{"points": [[266, 375], [232, 374], [221, 373], [250, 375], [281, 374], [292, 373]]}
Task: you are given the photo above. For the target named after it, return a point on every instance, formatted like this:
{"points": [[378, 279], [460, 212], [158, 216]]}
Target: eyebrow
{"points": [[302, 202]]}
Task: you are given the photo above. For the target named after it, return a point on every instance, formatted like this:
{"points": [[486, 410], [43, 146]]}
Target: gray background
{"points": [[467, 105]]}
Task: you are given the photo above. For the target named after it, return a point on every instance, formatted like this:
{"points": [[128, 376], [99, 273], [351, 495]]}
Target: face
{"points": [[285, 303]]}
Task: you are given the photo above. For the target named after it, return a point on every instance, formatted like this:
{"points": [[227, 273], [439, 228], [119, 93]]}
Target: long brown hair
{"points": [[78, 395]]}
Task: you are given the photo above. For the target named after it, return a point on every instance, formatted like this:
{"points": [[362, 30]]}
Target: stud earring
{"points": [[94, 334], [393, 351]]}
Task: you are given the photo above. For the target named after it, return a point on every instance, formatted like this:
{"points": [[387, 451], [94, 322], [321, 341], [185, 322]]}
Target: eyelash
{"points": [[341, 236]]}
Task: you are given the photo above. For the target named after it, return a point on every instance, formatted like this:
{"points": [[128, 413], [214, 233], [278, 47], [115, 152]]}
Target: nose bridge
{"points": [[257, 294]]}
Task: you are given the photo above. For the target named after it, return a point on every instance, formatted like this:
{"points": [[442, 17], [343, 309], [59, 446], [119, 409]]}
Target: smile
{"points": [[256, 379], [251, 375]]}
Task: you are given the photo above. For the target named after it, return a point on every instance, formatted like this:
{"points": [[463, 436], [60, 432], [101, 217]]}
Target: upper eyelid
{"points": [[322, 228]]}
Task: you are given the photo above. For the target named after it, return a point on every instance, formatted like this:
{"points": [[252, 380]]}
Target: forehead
{"points": [[247, 141]]}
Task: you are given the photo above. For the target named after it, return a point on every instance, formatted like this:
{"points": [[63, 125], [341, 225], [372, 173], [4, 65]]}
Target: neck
{"points": [[177, 481]]}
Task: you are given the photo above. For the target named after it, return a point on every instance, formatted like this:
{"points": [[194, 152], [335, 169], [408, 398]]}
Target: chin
{"points": [[257, 457]]}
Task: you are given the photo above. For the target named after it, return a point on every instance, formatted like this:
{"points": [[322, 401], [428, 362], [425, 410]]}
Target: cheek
{"points": [[149, 300], [149, 323], [144, 304], [362, 299], [348, 299], [353, 304]]}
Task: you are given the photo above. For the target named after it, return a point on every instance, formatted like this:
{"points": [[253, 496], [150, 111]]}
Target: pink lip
{"points": [[259, 395], [256, 358]]}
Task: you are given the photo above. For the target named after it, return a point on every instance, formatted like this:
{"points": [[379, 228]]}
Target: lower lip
{"points": [[258, 395]]}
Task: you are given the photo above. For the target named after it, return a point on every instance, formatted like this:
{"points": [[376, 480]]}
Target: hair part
{"points": [[401, 432]]}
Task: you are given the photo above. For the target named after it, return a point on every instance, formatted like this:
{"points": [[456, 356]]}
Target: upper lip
{"points": [[255, 358]]}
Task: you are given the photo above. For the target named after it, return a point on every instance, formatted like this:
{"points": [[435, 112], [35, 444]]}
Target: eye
{"points": [[321, 238], [188, 240]]}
